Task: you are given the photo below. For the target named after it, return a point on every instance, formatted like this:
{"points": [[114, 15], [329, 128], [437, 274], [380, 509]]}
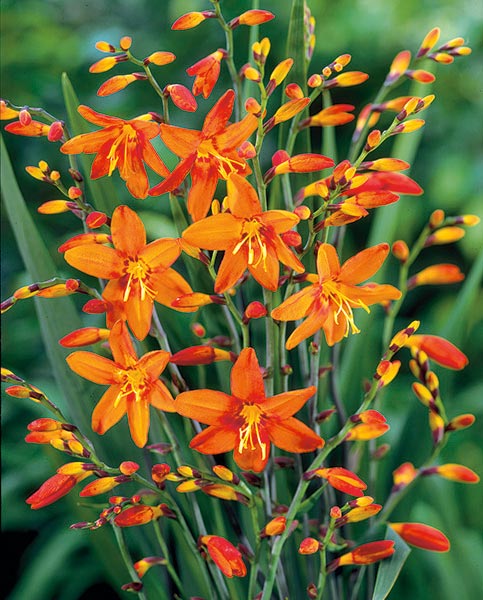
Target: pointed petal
{"points": [[216, 232], [204, 177], [364, 264], [327, 262], [161, 253], [242, 197], [107, 412], [266, 272], [334, 330], [182, 142], [175, 178], [235, 134], [90, 142], [280, 220], [293, 436], [253, 459], [160, 397], [312, 323], [219, 115], [296, 306], [154, 161], [127, 229], [98, 118], [139, 311], [138, 417], [372, 293], [101, 165], [96, 260], [170, 285], [246, 378], [121, 345], [214, 440], [286, 256], [283, 406], [93, 367], [231, 269], [154, 363], [206, 406]]}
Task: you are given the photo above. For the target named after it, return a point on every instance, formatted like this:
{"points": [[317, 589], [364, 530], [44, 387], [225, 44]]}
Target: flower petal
{"points": [[287, 404], [293, 436], [218, 116], [216, 232], [204, 178], [214, 440], [327, 262], [109, 410], [242, 198], [182, 142], [121, 345], [364, 264], [96, 260], [127, 229], [206, 406], [296, 306], [231, 269], [138, 417], [175, 178], [93, 367], [246, 377]]}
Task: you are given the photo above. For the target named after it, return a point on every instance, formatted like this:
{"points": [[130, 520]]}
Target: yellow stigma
{"points": [[344, 306], [250, 432], [138, 271], [224, 165], [251, 236]]}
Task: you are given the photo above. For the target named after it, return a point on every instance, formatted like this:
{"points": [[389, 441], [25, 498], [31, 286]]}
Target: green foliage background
{"points": [[42, 39]]}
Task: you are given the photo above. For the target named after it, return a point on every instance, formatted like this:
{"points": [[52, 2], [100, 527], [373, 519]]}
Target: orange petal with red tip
{"points": [[364, 555], [293, 436], [439, 349], [199, 355], [255, 17], [85, 238], [304, 163], [343, 480], [309, 545], [226, 557], [161, 58], [422, 536], [116, 84], [188, 21], [51, 490], [456, 472], [137, 515], [84, 337], [436, 275], [348, 79], [99, 486], [398, 66], [290, 109], [96, 260]]}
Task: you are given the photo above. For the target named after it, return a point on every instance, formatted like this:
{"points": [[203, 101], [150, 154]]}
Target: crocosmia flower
{"points": [[246, 421], [134, 384], [122, 145], [250, 237], [329, 302], [209, 154], [138, 273]]}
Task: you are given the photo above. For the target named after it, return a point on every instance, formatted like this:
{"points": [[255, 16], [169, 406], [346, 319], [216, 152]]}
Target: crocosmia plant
{"points": [[246, 395]]}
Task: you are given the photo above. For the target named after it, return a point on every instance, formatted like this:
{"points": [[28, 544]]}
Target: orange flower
{"points": [[209, 154], [134, 384], [224, 554], [250, 237], [247, 421], [60, 484], [364, 555], [138, 273], [206, 72], [122, 145], [422, 536], [329, 301]]}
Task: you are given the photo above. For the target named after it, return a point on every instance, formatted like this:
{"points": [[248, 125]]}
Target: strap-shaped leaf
{"points": [[390, 568], [55, 322], [102, 191]]}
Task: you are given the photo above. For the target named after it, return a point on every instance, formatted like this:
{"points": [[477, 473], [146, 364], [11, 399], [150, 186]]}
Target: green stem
{"points": [[166, 554], [127, 559]]}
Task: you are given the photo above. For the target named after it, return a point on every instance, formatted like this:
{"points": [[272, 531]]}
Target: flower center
{"points": [[252, 236], [133, 382], [127, 135], [224, 165], [343, 305], [138, 271], [250, 432]]}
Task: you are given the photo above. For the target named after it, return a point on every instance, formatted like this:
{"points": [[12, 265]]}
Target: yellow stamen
{"points": [[133, 382], [344, 306], [251, 234], [138, 270], [225, 166], [250, 432], [127, 135]]}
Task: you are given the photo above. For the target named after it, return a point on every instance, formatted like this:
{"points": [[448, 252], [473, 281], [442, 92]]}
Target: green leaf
{"points": [[55, 322], [390, 568], [102, 191]]}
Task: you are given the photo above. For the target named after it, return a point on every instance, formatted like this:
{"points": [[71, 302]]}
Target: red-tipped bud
{"points": [[309, 545], [422, 536]]}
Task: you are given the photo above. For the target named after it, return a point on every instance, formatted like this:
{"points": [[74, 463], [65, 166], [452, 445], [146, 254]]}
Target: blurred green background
{"points": [[42, 39]]}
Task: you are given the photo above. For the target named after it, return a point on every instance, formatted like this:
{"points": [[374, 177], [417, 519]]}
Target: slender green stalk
{"points": [[127, 559], [166, 553]]}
